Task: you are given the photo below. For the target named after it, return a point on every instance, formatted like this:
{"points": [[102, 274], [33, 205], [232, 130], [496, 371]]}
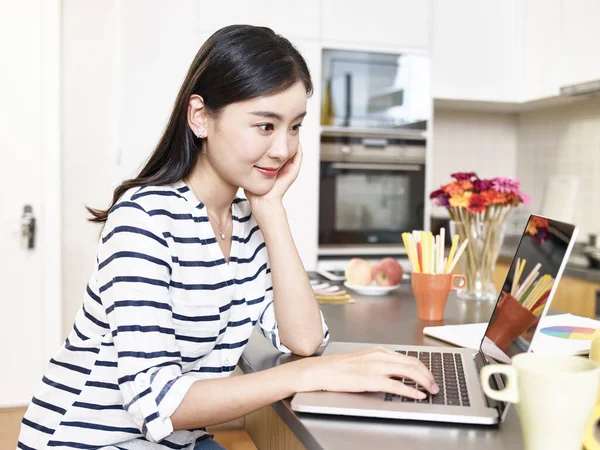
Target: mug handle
{"points": [[509, 393], [589, 440], [462, 278]]}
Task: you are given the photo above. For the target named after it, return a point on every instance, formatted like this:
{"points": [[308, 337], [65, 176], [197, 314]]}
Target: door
{"points": [[29, 166]]}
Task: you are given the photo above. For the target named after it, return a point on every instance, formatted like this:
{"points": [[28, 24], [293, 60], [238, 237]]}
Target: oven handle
{"points": [[368, 166]]}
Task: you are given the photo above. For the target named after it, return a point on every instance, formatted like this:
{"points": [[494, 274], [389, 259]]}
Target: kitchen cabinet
{"points": [[286, 17], [541, 44], [573, 295], [473, 50], [580, 42], [386, 24]]}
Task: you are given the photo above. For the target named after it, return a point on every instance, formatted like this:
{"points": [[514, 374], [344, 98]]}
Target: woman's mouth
{"points": [[267, 171]]}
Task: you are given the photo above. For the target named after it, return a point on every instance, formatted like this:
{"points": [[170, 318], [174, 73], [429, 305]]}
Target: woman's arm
{"points": [[210, 402]]}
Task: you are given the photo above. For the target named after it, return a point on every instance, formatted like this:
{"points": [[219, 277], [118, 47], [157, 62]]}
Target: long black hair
{"points": [[237, 63]]}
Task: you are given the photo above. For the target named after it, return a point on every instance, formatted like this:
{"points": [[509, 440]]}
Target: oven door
{"points": [[370, 203]]}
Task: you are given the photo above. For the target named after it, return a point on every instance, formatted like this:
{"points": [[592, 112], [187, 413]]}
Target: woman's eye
{"points": [[296, 128], [266, 127]]}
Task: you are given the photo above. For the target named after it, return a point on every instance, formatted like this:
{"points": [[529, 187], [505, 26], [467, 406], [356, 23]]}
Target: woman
{"points": [[184, 273]]}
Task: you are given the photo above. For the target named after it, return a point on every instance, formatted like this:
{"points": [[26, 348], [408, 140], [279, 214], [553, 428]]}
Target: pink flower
{"points": [[441, 200], [463, 175], [506, 185], [525, 198]]}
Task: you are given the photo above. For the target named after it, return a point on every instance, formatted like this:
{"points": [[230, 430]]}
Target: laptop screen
{"points": [[529, 286]]}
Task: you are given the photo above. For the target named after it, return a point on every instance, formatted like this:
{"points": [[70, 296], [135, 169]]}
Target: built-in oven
{"points": [[372, 188]]}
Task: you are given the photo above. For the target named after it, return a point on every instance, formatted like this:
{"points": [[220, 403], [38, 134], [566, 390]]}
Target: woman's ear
{"points": [[197, 116]]}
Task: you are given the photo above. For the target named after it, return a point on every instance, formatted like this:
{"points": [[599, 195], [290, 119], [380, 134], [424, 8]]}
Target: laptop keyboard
{"points": [[448, 371]]}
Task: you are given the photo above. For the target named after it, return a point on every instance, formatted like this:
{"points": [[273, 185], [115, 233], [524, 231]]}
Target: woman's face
{"points": [[251, 140]]}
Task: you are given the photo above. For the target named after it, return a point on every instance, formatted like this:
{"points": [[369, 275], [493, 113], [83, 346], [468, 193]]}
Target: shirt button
{"points": [[226, 362]]}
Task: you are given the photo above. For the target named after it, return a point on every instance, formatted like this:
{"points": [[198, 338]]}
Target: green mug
{"points": [[554, 397]]}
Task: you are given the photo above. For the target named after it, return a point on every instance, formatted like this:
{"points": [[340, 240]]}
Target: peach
{"points": [[387, 272], [359, 272]]}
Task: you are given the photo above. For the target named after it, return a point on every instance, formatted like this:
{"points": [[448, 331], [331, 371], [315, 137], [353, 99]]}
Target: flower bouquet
{"points": [[478, 210]]}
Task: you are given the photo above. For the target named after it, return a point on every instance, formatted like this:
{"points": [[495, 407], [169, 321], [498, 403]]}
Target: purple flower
{"points": [[441, 200], [482, 185], [463, 175], [506, 185], [525, 198]]}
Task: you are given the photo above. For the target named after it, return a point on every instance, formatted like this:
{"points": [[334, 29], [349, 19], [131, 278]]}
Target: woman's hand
{"points": [[368, 370], [285, 177]]}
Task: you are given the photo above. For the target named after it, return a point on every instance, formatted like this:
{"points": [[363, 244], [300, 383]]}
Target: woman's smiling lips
{"points": [[267, 171]]}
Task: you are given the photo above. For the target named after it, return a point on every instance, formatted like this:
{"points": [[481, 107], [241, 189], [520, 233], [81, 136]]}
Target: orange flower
{"points": [[465, 184], [460, 201], [453, 189], [494, 197], [477, 203]]}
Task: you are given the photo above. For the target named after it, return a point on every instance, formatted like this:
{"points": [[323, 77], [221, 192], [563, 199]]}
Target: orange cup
{"points": [[510, 320], [431, 292]]}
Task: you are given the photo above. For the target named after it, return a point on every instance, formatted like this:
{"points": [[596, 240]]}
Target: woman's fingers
{"points": [[398, 388]]}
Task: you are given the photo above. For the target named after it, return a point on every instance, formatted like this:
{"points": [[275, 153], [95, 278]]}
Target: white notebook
{"points": [[550, 339]]}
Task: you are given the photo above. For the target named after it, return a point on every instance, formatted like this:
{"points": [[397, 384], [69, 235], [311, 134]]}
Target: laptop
{"points": [[526, 295]]}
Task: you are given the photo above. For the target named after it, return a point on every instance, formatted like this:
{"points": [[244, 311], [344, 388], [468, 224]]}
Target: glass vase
{"points": [[479, 258]]}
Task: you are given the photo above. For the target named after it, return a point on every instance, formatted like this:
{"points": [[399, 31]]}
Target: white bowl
{"points": [[372, 289]]}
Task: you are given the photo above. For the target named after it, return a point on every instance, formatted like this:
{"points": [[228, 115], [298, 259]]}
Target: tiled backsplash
{"points": [[532, 146], [563, 140]]}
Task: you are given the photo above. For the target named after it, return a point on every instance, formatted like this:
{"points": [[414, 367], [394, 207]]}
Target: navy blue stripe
{"points": [[73, 348], [143, 280], [173, 445], [143, 329], [196, 318], [269, 289], [181, 337], [165, 390], [253, 277], [60, 386], [239, 200], [255, 300], [151, 417], [101, 363], [82, 336], [213, 263], [37, 426], [108, 344], [326, 334], [196, 287], [249, 260], [183, 189], [145, 392], [215, 369], [100, 384], [74, 445], [134, 255], [135, 230], [148, 355], [184, 240], [247, 238], [161, 193], [94, 320], [128, 378], [96, 407], [24, 447], [175, 216], [127, 303], [92, 295], [231, 346], [239, 323], [126, 205], [48, 406], [95, 426], [241, 219], [72, 367], [262, 316]]}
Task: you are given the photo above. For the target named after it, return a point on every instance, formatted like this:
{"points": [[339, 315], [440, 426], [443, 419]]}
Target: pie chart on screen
{"points": [[575, 333]]}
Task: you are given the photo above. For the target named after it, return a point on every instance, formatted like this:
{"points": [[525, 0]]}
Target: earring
{"points": [[200, 132]]}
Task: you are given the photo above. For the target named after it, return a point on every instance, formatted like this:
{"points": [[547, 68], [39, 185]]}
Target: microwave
{"points": [[366, 90]]}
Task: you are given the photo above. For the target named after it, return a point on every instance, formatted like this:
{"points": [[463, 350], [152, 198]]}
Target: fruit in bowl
{"points": [[388, 272], [359, 272]]}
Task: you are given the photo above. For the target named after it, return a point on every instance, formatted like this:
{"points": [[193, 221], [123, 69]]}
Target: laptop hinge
{"points": [[496, 381]]}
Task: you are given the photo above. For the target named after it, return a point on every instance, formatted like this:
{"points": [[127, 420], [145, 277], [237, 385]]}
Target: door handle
{"points": [[27, 228]]}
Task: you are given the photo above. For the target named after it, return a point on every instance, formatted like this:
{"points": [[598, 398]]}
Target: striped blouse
{"points": [[162, 309]]}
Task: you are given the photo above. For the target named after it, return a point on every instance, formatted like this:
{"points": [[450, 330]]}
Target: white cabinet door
{"points": [[540, 44], [474, 50], [29, 151], [579, 59], [393, 24], [289, 18]]}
